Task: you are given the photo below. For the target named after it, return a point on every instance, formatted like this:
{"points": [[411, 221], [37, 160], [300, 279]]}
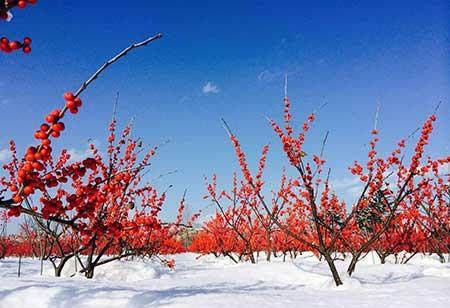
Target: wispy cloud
{"points": [[268, 75], [350, 187], [444, 169], [210, 88]]}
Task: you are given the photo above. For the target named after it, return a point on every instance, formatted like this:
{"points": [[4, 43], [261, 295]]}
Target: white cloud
{"points": [[268, 75], [444, 169], [210, 88], [5, 155], [80, 154], [345, 183], [276, 73], [349, 187]]}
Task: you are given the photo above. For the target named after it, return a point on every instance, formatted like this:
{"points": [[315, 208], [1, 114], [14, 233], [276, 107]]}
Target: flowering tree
{"points": [[97, 206], [307, 212], [383, 199]]}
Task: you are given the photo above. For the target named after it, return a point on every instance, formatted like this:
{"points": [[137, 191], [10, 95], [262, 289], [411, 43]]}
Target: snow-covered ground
{"points": [[211, 282]]}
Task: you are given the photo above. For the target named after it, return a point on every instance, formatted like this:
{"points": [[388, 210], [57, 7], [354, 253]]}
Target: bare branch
{"points": [[377, 113], [117, 57], [227, 127]]}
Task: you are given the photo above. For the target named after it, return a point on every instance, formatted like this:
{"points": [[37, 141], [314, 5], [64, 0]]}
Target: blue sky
{"points": [[227, 59]]}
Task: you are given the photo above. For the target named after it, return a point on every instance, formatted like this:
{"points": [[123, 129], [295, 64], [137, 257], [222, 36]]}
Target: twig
{"points": [[114, 59], [85, 84], [163, 175], [324, 143], [375, 124], [227, 127], [116, 102], [315, 111], [285, 85], [437, 107]]}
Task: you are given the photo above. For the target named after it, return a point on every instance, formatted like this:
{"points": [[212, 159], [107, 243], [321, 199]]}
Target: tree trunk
{"points": [[252, 258], [352, 265], [59, 268], [89, 274], [269, 246], [20, 263], [333, 269], [42, 264], [441, 257]]}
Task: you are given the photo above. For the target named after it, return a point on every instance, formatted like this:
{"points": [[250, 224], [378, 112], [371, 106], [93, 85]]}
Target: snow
{"points": [[211, 282]]}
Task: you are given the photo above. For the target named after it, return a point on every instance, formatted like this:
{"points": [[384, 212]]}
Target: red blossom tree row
{"points": [[403, 206]]}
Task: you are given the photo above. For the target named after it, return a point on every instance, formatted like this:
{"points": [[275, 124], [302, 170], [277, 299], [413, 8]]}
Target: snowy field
{"points": [[211, 282]]}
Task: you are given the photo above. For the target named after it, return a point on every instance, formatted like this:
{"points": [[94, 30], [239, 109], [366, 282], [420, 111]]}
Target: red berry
{"points": [[45, 152], [58, 127], [74, 110], [40, 135], [29, 157], [78, 102], [70, 104], [56, 113], [28, 190], [38, 166], [21, 4], [31, 150], [28, 167], [45, 127], [22, 173], [27, 41], [68, 96], [14, 45], [15, 211], [27, 49], [50, 118]]}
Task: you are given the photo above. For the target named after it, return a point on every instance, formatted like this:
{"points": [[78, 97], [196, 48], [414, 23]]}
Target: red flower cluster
{"points": [[29, 177], [241, 159], [292, 146], [423, 140]]}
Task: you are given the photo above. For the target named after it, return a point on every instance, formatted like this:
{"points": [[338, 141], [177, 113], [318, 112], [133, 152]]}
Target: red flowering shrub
{"points": [[101, 201], [403, 205], [100, 206]]}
